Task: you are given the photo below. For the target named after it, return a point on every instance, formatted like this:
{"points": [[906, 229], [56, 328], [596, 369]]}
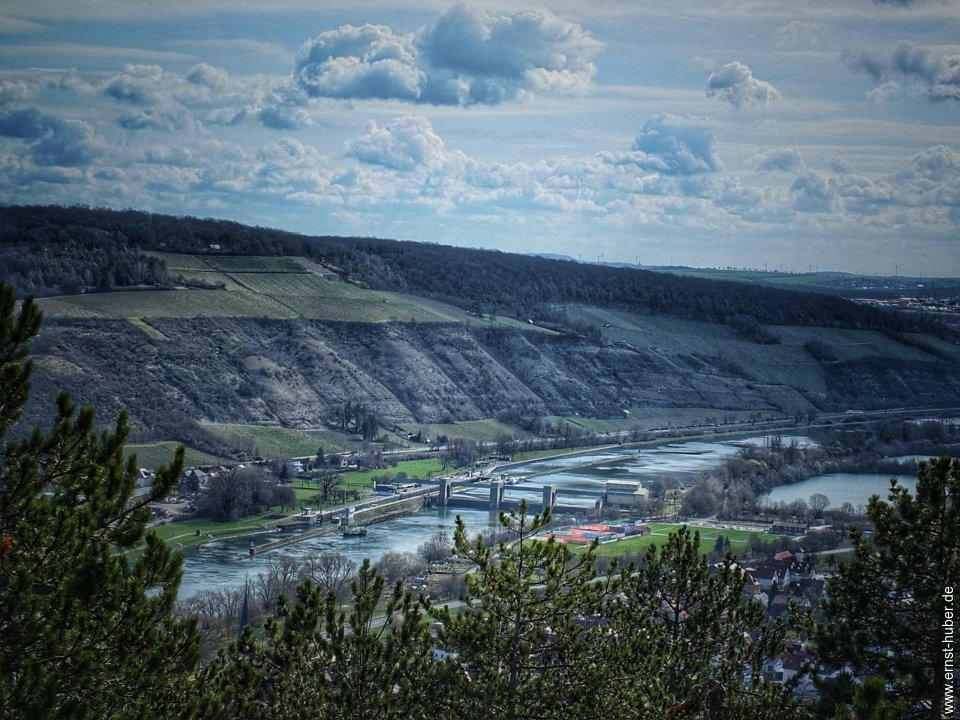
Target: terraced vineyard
{"points": [[278, 288]]}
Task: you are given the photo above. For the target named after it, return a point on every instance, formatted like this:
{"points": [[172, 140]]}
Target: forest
{"points": [[58, 250]]}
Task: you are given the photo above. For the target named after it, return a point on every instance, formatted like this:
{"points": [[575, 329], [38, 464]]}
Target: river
{"points": [[226, 563]]}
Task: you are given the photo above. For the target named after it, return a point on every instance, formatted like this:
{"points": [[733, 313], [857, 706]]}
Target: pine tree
{"points": [[86, 625], [371, 662], [527, 645], [885, 611], [708, 642]]}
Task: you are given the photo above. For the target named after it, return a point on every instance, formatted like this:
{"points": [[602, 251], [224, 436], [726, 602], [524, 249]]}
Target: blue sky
{"points": [[712, 133]]}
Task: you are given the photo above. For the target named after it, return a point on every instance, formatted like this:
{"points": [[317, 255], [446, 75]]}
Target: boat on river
{"points": [[353, 531]]}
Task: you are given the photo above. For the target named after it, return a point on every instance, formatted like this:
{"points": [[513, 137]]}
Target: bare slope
{"points": [[300, 373]]}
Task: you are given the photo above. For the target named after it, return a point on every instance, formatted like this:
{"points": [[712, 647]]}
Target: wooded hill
{"points": [[196, 326]]}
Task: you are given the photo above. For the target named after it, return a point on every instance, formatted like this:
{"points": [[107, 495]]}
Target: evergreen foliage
{"points": [[707, 643], [86, 631], [885, 612], [527, 648], [371, 662]]}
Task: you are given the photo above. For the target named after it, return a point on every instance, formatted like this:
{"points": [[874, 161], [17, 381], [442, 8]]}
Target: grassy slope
{"points": [[659, 532], [153, 455], [268, 287]]}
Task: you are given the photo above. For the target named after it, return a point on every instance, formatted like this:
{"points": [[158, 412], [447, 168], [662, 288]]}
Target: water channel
{"points": [[226, 563]]}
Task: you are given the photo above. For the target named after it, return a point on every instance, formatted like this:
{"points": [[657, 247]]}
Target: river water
{"points": [[854, 488], [226, 563]]}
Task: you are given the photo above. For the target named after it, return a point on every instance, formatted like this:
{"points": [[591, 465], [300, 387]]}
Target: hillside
{"points": [[221, 348]]}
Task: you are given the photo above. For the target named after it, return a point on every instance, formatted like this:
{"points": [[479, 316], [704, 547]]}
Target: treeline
{"points": [[72, 259], [483, 281], [735, 488]]}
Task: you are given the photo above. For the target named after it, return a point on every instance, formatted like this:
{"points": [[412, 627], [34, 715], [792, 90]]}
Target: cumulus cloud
{"points": [[735, 84], [931, 187], [935, 73], [673, 145], [167, 119], [782, 160], [404, 143], [290, 166], [360, 62], [279, 117], [138, 84], [53, 141], [465, 57], [938, 163]]}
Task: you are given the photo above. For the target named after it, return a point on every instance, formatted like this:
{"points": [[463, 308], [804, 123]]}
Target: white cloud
{"points": [[360, 62], [940, 163], [402, 144], [734, 83], [465, 57], [52, 140], [884, 92], [673, 145]]}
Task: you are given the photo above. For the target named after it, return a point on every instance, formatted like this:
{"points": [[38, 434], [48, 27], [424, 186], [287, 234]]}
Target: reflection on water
{"points": [[854, 488], [225, 563]]}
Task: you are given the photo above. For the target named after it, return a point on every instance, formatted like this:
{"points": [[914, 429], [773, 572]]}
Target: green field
{"points": [[166, 303], [254, 263], [658, 535], [415, 470], [178, 262], [479, 430], [263, 287], [184, 534], [147, 328], [274, 442], [153, 455]]}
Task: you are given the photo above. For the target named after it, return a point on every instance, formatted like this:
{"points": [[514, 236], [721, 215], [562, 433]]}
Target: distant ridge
{"points": [[228, 337]]}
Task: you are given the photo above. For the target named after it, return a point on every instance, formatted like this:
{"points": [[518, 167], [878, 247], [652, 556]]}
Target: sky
{"points": [[794, 136]]}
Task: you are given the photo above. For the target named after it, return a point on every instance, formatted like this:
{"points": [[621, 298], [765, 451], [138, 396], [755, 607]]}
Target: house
{"points": [[788, 664], [789, 527], [769, 573], [783, 603], [194, 480], [145, 478], [813, 587]]}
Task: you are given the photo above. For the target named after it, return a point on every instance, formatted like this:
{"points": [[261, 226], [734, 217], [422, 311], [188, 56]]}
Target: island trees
{"points": [[86, 625], [887, 607]]}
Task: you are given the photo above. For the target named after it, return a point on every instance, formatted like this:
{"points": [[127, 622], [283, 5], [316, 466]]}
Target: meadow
{"points": [[658, 535]]}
